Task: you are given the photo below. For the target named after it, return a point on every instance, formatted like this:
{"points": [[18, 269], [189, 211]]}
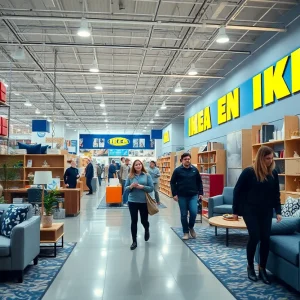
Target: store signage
{"points": [[166, 137], [276, 83], [118, 152], [118, 141], [107, 141]]}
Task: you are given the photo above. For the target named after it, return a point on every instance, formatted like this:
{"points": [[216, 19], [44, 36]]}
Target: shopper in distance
{"points": [[155, 174]]}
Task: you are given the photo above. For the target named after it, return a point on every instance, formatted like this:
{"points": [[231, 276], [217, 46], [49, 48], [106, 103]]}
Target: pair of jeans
{"points": [[89, 184], [125, 193], [259, 228], [188, 203], [134, 208], [156, 188]]}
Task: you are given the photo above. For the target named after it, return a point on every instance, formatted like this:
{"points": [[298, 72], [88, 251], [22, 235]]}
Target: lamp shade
{"points": [[42, 177]]}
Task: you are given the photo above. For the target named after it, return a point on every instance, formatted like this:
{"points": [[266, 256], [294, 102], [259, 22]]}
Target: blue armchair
{"points": [[221, 204], [23, 247]]}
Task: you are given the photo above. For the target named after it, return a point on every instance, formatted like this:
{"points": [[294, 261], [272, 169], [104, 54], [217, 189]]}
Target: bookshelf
{"points": [[166, 165], [287, 165], [19, 168], [213, 185]]}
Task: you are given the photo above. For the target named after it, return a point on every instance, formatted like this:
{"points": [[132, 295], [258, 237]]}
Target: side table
{"points": [[52, 235]]}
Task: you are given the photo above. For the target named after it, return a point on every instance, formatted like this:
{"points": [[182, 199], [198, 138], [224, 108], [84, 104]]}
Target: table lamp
{"points": [[42, 177]]}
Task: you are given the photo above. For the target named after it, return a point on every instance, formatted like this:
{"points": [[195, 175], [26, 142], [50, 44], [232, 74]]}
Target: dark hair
{"points": [[122, 157], [113, 161], [152, 161], [185, 155]]}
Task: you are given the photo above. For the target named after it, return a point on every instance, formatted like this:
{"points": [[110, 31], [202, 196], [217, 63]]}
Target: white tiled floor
{"points": [[103, 267]]}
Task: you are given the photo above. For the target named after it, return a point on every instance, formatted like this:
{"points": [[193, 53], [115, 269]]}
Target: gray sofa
{"points": [[284, 259], [221, 204], [23, 247]]}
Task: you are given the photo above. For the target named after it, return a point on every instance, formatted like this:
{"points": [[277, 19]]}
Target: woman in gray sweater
{"points": [[138, 183]]}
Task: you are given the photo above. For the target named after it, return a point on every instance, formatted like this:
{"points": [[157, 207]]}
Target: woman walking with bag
{"points": [[138, 184], [256, 194]]}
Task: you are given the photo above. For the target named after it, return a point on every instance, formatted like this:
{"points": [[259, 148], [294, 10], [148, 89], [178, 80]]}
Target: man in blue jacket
{"points": [[187, 189], [89, 174]]}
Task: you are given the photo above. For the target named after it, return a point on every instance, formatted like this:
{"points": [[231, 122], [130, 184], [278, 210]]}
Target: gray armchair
{"points": [[221, 204], [23, 247]]}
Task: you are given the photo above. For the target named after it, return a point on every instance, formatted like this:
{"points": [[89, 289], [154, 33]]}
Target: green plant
{"points": [[10, 170], [2, 201], [50, 202]]}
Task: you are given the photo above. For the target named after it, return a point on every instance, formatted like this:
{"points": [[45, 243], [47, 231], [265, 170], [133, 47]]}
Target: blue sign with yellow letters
{"points": [[100, 141], [276, 83]]}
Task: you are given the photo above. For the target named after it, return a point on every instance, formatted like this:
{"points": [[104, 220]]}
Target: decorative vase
{"points": [[47, 221]]}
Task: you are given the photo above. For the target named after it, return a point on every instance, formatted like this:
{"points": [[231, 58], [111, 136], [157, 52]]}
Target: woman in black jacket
{"points": [[255, 196]]}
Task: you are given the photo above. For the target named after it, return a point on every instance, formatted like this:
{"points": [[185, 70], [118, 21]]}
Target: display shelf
{"points": [[166, 165], [287, 165]]}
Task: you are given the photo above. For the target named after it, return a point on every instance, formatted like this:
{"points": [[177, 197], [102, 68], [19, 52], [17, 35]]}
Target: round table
{"points": [[221, 222]]}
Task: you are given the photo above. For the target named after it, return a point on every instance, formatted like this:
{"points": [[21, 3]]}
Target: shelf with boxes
{"points": [[286, 153], [166, 166]]}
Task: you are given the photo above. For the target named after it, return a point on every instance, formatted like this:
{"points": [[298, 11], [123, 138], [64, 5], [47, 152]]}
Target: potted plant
{"points": [[50, 201]]}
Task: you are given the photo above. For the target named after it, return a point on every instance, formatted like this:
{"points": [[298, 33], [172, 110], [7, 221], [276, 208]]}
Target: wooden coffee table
{"points": [[220, 222], [52, 235]]}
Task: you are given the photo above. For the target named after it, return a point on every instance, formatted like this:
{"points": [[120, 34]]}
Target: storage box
{"points": [[114, 194], [2, 92]]}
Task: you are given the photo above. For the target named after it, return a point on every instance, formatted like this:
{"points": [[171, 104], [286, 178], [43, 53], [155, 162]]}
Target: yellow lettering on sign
{"points": [[199, 122], [222, 110], [295, 71], [274, 82], [229, 107], [257, 92]]}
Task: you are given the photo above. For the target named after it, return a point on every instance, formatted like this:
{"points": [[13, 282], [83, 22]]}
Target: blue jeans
{"points": [[188, 204], [125, 193]]}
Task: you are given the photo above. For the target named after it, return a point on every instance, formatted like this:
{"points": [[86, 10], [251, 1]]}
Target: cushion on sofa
{"points": [[31, 149], [44, 149], [12, 217], [286, 246], [4, 246], [296, 214], [223, 209], [290, 206], [228, 195], [285, 227]]}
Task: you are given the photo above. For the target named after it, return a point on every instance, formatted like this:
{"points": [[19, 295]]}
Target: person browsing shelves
{"points": [[71, 175]]}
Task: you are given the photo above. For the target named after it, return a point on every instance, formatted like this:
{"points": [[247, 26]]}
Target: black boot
{"points": [[133, 246], [251, 273], [264, 276], [147, 235]]}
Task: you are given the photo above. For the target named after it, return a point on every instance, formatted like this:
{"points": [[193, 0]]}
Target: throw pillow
{"points": [[44, 149], [290, 206], [12, 217], [1, 213], [31, 149], [285, 227], [297, 214]]}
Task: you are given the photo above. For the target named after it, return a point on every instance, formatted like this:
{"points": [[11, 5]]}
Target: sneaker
{"points": [[147, 235], [133, 246], [185, 236], [193, 233]]}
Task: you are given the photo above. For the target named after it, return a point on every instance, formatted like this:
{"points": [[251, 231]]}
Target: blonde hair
{"points": [[132, 170], [260, 168]]}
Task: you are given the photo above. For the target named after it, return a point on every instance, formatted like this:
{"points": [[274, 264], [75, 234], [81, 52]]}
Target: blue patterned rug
{"points": [[103, 205], [229, 264], [37, 279]]}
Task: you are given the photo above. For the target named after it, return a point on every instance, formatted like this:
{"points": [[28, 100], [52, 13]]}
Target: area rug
{"points": [[103, 205], [229, 264], [37, 279]]}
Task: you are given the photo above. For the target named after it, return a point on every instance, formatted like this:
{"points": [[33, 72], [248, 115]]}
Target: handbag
{"points": [[151, 205]]}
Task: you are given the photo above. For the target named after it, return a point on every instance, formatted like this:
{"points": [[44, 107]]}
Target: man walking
{"points": [[187, 189], [89, 174], [124, 171]]}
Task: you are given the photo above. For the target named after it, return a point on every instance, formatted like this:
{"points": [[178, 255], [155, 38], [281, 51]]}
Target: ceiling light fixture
{"points": [[19, 54], [16, 94], [45, 116], [163, 106], [192, 71], [84, 30], [178, 88], [104, 113], [37, 111], [156, 114], [151, 121], [102, 104], [27, 103], [27, 125], [98, 86], [49, 120], [222, 37], [94, 67]]}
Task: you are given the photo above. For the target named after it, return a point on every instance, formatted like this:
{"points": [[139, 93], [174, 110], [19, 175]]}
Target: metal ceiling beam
{"points": [[139, 23], [77, 45], [69, 72]]}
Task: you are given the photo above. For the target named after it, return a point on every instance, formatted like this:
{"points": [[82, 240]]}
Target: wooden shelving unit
{"points": [[166, 165], [213, 185], [287, 165], [212, 162], [56, 162]]}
